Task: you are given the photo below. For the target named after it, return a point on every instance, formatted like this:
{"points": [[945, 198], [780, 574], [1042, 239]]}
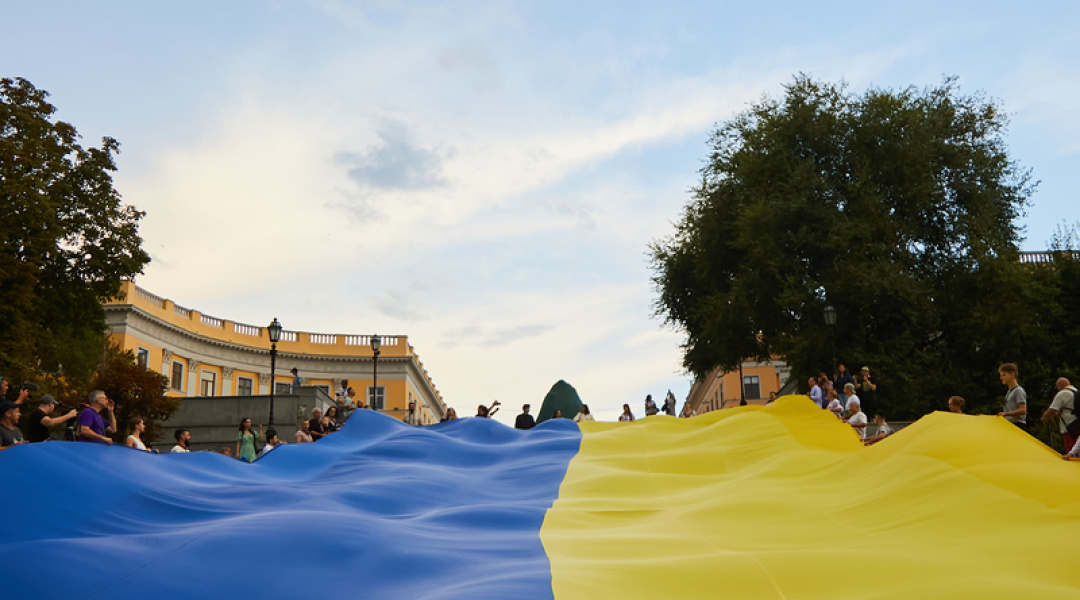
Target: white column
{"points": [[193, 378], [227, 381]]}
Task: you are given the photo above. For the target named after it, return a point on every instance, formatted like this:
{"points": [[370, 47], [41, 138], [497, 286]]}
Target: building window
{"points": [[178, 376], [142, 357], [208, 385], [243, 386], [377, 397], [751, 387], [282, 388]]}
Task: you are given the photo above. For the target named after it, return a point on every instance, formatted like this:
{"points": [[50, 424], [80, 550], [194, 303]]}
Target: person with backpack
{"points": [[1063, 410]]}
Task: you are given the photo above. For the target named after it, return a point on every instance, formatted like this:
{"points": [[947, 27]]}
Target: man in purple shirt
{"points": [[92, 424]]}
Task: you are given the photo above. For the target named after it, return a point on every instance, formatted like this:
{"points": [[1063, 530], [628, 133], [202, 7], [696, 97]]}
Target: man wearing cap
{"points": [[412, 417], [37, 428], [92, 423], [9, 428], [524, 420]]}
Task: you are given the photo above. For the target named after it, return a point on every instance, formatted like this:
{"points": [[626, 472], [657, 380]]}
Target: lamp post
{"points": [[274, 331], [830, 320], [375, 342]]}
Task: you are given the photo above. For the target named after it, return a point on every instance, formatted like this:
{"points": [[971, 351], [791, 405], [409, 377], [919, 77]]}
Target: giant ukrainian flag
{"points": [[758, 502]]}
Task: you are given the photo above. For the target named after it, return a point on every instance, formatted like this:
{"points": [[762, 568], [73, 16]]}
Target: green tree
{"points": [[67, 239], [898, 208], [137, 391]]}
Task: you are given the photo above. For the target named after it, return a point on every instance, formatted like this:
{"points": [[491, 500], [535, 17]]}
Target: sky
{"points": [[486, 177]]}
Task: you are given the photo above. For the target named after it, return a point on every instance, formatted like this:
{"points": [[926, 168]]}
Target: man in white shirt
{"points": [[857, 420], [412, 417], [183, 439], [1063, 410]]}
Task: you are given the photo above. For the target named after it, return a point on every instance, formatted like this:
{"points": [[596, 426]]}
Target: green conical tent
{"points": [[562, 396]]}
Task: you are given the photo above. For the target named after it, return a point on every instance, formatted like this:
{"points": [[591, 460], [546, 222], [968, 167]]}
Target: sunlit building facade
{"points": [[205, 356], [725, 389]]}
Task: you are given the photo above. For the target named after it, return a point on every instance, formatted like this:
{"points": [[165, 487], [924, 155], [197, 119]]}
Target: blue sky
{"points": [[486, 177]]}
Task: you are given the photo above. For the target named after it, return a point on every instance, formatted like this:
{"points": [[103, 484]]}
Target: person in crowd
{"points": [[295, 379], [772, 398], [583, 414], [834, 406], [557, 415], [825, 384], [451, 415], [524, 420], [303, 435], [852, 398], [10, 434], [330, 424], [272, 442], [866, 388], [626, 414], [650, 406], [486, 412], [1062, 409], [315, 425], [93, 425], [245, 440], [1015, 410], [225, 450], [956, 404], [354, 403], [687, 411], [136, 427], [857, 419], [37, 427], [815, 392], [1074, 453], [183, 440], [840, 380], [883, 430], [343, 391], [412, 416], [669, 404], [343, 412], [24, 393]]}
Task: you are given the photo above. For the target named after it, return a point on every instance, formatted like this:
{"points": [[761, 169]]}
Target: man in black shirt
{"points": [[316, 428], [524, 420], [37, 428]]}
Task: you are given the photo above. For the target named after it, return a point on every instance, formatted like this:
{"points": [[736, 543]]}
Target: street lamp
{"points": [[830, 320], [375, 342], [274, 331]]}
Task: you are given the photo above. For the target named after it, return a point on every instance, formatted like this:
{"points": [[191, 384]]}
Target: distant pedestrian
{"points": [[1015, 410], [834, 406], [816, 395], [316, 428], [485, 412], [1063, 410], [583, 414], [650, 406], [272, 442], [295, 379], [524, 420], [412, 416], [626, 414], [840, 380], [245, 440], [867, 389], [883, 430], [303, 435], [857, 419], [10, 434], [956, 404], [98, 420], [37, 427], [852, 398], [343, 391], [451, 415], [669, 404], [183, 440], [136, 427]]}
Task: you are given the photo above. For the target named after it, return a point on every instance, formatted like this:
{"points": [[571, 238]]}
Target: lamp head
{"points": [[274, 331], [375, 343]]}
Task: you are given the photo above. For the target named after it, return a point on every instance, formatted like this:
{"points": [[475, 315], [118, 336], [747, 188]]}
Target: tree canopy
{"points": [[67, 239], [898, 208]]}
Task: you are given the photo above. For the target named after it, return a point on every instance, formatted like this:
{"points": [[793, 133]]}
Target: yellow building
{"points": [[207, 356], [722, 389]]}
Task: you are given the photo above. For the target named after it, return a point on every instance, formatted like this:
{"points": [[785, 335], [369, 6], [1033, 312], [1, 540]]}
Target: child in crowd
{"points": [[883, 430]]}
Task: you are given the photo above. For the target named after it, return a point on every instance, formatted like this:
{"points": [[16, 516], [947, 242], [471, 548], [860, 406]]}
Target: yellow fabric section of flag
{"points": [[784, 501]]}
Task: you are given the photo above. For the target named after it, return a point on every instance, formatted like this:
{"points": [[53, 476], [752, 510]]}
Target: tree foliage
{"points": [[897, 207], [67, 239], [137, 391]]}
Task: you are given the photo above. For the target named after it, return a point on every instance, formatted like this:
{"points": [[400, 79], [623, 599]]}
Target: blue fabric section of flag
{"points": [[379, 509]]}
